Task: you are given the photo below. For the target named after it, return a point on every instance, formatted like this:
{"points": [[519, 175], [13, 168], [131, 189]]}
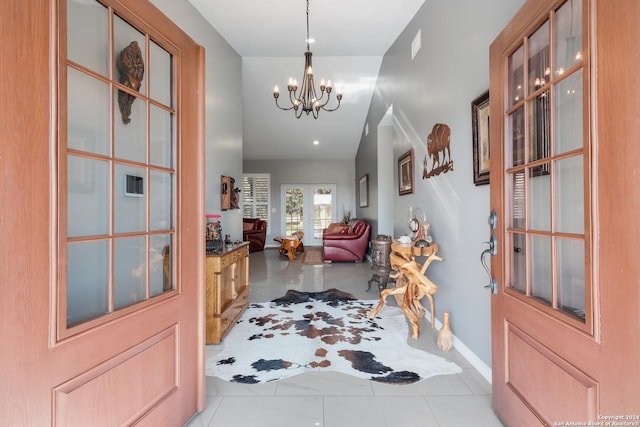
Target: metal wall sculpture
{"points": [[438, 151]]}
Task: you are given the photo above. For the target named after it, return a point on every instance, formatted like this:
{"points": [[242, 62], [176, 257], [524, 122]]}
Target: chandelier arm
{"points": [[282, 108], [293, 98], [332, 109]]}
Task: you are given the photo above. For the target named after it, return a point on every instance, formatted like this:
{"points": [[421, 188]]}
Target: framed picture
{"points": [[363, 191], [480, 127], [405, 173]]}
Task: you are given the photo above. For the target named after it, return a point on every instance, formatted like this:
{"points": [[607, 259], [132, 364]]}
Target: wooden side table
{"points": [[289, 245], [411, 283]]}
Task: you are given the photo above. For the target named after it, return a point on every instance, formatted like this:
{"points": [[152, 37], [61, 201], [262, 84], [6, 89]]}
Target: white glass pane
{"points": [[518, 252], [540, 198], [161, 137], [131, 139], [539, 71], [160, 75], [87, 197], [516, 134], [540, 274], [517, 200], [570, 272], [124, 35], [568, 35], [87, 281], [129, 207], [294, 210], [570, 195], [161, 201], [516, 76], [539, 127], [322, 207], [160, 255], [568, 113], [129, 271], [87, 32], [87, 113]]}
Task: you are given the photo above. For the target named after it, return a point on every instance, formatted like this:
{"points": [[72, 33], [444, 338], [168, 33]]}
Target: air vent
{"points": [[415, 44]]}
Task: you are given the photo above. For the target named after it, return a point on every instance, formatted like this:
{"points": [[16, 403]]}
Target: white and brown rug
{"points": [[323, 331]]}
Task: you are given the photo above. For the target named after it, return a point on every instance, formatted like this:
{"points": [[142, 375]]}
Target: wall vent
{"points": [[415, 44]]}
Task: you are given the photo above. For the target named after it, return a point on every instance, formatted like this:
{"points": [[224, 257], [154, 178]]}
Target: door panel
{"points": [[143, 364], [557, 337], [154, 358]]}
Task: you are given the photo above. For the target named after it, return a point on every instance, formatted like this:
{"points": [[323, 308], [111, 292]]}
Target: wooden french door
{"points": [[103, 319], [565, 314]]}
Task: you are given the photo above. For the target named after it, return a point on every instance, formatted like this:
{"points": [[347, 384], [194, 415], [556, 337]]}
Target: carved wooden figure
{"points": [[130, 65], [411, 283]]}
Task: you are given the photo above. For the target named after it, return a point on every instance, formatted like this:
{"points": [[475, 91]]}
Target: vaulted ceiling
{"points": [[351, 37]]}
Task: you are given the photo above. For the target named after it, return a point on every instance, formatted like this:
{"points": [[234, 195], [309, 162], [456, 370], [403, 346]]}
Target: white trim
{"points": [[471, 357]]}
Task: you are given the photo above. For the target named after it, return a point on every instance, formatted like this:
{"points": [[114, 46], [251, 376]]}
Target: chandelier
{"points": [[307, 99]]}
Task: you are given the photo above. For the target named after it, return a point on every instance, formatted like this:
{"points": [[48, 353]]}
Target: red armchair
{"points": [[346, 242], [254, 231]]}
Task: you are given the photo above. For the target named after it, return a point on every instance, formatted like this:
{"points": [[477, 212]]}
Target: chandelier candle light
{"points": [[306, 100]]}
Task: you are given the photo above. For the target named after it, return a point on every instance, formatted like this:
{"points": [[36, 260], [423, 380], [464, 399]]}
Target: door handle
{"points": [[493, 220], [491, 250]]}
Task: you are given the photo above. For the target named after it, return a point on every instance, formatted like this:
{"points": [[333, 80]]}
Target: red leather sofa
{"points": [[254, 231], [346, 242]]}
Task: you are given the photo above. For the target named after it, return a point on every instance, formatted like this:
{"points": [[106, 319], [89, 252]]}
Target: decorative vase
{"points": [[445, 337]]}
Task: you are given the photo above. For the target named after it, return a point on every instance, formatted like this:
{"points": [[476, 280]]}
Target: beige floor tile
{"points": [[286, 411], [332, 399]]}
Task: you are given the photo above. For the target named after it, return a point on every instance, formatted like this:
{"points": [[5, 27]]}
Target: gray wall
{"points": [[223, 108], [339, 172], [449, 71]]}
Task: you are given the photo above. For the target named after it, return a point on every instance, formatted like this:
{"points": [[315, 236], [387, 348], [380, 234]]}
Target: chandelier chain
{"points": [[307, 100]]}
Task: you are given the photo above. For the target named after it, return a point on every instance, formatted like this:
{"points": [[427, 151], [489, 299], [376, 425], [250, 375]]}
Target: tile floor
{"points": [[337, 400]]}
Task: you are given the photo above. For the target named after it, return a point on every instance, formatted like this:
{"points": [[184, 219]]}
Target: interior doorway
{"points": [[309, 208]]}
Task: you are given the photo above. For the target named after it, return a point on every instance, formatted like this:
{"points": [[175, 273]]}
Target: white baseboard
{"points": [[471, 357]]}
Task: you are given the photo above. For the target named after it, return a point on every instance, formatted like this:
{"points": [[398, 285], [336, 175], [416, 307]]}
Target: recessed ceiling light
{"points": [[316, 142]]}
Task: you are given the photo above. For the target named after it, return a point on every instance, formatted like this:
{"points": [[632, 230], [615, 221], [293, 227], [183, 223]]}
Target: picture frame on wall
{"points": [[480, 127], [405, 173], [363, 191]]}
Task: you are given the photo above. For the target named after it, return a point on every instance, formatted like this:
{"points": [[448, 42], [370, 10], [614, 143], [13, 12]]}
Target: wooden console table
{"points": [[411, 283], [227, 290]]}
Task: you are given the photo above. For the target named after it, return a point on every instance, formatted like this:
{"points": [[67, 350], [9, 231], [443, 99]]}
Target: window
{"points": [[117, 151], [256, 196], [547, 169]]}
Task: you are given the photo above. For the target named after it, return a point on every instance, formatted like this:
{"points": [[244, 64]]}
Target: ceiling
{"points": [[351, 39]]}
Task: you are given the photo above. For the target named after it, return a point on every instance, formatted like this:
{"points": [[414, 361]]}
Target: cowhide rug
{"points": [[323, 331]]}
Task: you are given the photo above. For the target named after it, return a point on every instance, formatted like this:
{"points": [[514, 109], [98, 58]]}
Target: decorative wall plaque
{"points": [[130, 65]]}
